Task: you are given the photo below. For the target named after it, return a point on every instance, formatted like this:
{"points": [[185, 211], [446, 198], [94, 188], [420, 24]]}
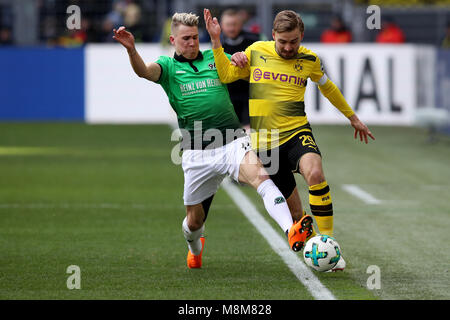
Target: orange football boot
{"points": [[299, 232], [193, 261]]}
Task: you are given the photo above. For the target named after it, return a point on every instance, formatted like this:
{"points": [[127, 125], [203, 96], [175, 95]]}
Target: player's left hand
{"points": [[360, 129]]}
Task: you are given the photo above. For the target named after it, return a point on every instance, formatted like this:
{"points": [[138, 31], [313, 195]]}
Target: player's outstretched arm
{"points": [[334, 95], [151, 71]]}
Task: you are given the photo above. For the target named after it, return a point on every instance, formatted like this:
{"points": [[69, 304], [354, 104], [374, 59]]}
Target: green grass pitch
{"points": [[108, 199]]}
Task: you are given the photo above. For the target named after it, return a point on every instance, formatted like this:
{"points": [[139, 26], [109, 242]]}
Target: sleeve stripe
{"points": [[160, 75], [322, 80]]}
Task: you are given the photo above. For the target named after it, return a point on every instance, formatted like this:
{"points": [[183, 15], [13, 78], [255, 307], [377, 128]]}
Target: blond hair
{"points": [[288, 20], [186, 19]]}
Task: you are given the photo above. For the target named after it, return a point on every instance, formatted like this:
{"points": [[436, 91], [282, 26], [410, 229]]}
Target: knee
{"points": [[258, 179], [315, 176]]}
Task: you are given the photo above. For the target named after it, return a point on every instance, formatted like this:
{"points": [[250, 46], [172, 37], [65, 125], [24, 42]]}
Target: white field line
{"points": [[356, 191], [278, 243]]}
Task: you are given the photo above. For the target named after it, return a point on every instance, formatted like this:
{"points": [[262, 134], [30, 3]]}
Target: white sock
{"points": [[275, 204], [193, 238]]}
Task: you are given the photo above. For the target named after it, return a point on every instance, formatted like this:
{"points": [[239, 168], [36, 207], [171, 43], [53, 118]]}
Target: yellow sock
{"points": [[325, 225], [322, 207]]}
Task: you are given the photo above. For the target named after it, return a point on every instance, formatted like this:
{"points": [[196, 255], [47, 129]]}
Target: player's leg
{"points": [[193, 228], [200, 185], [319, 197], [295, 205], [252, 172], [288, 156], [305, 158], [193, 224], [319, 192], [278, 166]]}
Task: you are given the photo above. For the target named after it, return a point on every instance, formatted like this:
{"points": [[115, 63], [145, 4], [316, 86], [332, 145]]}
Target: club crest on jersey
{"points": [[212, 66], [298, 65]]}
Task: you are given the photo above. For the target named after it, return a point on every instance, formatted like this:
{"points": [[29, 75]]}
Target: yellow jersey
{"points": [[277, 90]]}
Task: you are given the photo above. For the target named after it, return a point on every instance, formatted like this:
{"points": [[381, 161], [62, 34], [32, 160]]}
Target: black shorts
{"points": [[290, 153]]}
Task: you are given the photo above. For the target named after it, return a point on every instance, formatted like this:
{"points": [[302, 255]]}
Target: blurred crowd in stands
{"points": [[338, 32], [97, 25]]}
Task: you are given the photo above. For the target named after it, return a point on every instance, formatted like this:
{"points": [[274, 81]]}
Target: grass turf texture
{"points": [[108, 199]]}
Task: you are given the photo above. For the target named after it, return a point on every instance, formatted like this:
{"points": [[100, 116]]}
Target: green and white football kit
{"points": [[213, 144]]}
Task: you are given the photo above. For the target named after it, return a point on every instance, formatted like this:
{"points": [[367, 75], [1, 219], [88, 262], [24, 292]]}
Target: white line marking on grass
{"points": [[278, 243], [356, 191]]}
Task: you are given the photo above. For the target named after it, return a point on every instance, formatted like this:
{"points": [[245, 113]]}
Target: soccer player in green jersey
{"points": [[213, 144], [278, 71]]}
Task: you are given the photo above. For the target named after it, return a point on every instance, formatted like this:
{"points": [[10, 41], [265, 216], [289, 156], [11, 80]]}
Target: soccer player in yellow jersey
{"points": [[278, 72]]}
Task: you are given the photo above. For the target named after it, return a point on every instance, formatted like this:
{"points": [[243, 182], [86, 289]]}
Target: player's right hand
{"points": [[124, 37], [239, 59]]}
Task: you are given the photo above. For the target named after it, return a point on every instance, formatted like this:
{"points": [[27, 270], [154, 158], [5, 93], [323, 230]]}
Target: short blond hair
{"points": [[186, 19]]}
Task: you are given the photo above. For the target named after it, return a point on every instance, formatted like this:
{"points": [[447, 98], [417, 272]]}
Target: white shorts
{"points": [[204, 170]]}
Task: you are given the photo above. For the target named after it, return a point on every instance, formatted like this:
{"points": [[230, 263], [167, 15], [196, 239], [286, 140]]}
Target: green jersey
{"points": [[197, 95]]}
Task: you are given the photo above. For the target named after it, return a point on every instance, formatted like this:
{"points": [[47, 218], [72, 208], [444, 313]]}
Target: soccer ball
{"points": [[322, 252]]}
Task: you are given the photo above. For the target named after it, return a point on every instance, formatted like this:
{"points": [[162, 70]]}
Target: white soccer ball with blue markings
{"points": [[321, 252]]}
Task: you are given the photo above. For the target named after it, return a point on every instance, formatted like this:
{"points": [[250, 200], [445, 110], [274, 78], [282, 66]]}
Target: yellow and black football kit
{"points": [[277, 90], [277, 112]]}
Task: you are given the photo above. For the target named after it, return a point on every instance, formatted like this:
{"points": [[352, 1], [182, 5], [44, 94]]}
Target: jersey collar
{"points": [[180, 58]]}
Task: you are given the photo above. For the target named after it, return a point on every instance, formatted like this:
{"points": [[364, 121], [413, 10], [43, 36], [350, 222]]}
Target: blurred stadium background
{"points": [[34, 34], [85, 154]]}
